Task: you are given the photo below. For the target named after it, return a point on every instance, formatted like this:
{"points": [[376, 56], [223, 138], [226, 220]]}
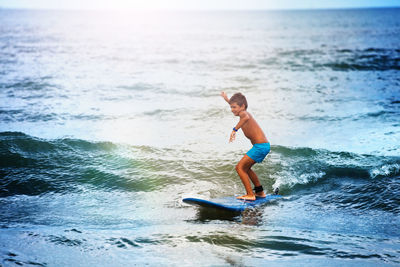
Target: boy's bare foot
{"points": [[261, 194], [247, 197]]}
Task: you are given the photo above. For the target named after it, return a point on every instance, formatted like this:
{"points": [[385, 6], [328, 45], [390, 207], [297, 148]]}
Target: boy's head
{"points": [[239, 99]]}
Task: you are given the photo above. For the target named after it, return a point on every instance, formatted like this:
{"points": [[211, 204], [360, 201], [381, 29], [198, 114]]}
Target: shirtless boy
{"points": [[256, 154]]}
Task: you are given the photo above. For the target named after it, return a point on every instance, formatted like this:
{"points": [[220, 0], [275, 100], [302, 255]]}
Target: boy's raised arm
{"points": [[225, 96]]}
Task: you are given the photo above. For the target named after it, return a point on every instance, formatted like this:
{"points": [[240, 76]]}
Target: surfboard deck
{"points": [[230, 203]]}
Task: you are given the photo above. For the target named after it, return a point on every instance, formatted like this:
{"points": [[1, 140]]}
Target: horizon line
{"points": [[197, 9]]}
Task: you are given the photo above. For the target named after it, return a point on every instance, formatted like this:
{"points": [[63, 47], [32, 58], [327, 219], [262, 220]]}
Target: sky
{"points": [[196, 4]]}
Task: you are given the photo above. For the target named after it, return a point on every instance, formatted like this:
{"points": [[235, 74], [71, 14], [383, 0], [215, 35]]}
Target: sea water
{"points": [[108, 119]]}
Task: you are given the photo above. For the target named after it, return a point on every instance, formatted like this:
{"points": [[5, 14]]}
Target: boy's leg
{"points": [[242, 169], [256, 182]]}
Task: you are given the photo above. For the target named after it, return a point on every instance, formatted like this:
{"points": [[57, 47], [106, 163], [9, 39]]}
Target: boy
{"points": [[261, 146]]}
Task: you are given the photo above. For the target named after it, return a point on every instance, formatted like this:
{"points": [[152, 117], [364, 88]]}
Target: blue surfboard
{"points": [[230, 203]]}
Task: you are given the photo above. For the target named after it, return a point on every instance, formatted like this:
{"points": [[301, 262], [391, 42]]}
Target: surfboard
{"points": [[230, 203]]}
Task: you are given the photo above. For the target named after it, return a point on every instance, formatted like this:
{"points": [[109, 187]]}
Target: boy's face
{"points": [[236, 109]]}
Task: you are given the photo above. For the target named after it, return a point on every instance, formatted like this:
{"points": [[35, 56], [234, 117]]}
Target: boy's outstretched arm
{"points": [[225, 96], [244, 117]]}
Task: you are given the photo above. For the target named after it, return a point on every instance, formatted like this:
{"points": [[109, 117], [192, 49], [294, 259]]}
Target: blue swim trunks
{"points": [[259, 151]]}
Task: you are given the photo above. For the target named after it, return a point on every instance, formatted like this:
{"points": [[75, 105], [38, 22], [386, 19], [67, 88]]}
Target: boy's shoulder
{"points": [[244, 113]]}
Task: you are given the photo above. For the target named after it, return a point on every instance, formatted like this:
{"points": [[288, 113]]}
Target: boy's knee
{"points": [[239, 167]]}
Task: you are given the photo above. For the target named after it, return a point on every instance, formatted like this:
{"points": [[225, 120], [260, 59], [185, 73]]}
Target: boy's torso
{"points": [[253, 131]]}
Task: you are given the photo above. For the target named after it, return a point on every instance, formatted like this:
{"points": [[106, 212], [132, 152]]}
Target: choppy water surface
{"points": [[108, 119]]}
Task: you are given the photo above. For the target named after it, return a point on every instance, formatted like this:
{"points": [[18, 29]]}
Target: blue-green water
{"points": [[107, 120]]}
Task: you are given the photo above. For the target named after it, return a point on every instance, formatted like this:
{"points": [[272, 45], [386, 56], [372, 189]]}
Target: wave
{"points": [[34, 166], [340, 179], [337, 164], [370, 59]]}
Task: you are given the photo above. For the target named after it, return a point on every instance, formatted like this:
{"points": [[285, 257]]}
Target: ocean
{"points": [[109, 118]]}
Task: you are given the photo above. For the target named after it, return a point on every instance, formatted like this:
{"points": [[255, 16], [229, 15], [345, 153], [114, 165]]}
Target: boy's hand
{"points": [[233, 136], [225, 96]]}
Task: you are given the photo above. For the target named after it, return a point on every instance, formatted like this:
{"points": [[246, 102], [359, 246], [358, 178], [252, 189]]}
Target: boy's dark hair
{"points": [[239, 99]]}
